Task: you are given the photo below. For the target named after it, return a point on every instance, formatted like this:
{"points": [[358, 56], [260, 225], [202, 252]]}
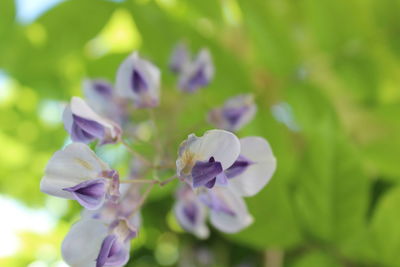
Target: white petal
{"points": [[102, 104], [67, 118], [228, 223], [74, 164], [202, 61], [82, 244], [80, 108], [150, 72], [224, 146], [200, 229], [258, 174]]}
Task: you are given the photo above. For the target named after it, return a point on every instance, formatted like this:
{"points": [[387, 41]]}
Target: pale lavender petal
{"points": [[85, 125], [82, 244], [222, 179], [105, 250], [90, 194], [191, 212], [138, 79], [74, 164], [233, 115], [203, 173], [216, 203], [249, 180], [112, 252], [179, 58], [119, 254], [102, 88], [238, 216], [100, 96], [198, 73], [196, 81], [238, 167]]}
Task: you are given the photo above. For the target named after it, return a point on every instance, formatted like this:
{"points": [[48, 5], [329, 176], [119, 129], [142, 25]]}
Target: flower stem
{"points": [[166, 181], [142, 200], [139, 181]]}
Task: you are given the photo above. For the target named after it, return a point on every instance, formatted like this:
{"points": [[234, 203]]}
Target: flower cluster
{"points": [[215, 170]]}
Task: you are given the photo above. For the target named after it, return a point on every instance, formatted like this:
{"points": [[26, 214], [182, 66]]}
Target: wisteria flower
{"points": [[91, 243], [124, 208], [203, 160], [77, 173], [179, 59], [254, 167], [234, 114], [197, 74], [227, 211], [85, 126], [101, 97], [139, 80], [190, 212]]}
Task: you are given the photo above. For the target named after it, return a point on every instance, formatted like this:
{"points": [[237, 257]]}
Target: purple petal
{"points": [[204, 172], [105, 250], [238, 167], [180, 56], [103, 88], [78, 135], [198, 80], [190, 210], [89, 194], [85, 131], [233, 115], [210, 184], [214, 202], [112, 252], [138, 82]]}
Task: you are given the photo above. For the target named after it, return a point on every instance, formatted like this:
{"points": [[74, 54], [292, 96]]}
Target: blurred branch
{"points": [[274, 258]]}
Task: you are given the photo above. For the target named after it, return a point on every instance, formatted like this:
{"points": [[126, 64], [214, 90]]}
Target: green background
{"points": [[326, 79]]}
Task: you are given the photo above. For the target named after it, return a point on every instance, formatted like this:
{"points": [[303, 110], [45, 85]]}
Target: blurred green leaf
{"points": [[386, 230], [316, 259]]}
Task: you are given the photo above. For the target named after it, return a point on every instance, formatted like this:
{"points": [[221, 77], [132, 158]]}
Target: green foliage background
{"points": [[334, 200]]}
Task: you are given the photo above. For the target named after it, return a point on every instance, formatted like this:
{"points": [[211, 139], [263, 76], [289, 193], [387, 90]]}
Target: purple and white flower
{"points": [[101, 97], [253, 169], [228, 211], [179, 59], [203, 160], [128, 202], [234, 114], [139, 80], [92, 243], [198, 73], [190, 212], [77, 173], [85, 126]]}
